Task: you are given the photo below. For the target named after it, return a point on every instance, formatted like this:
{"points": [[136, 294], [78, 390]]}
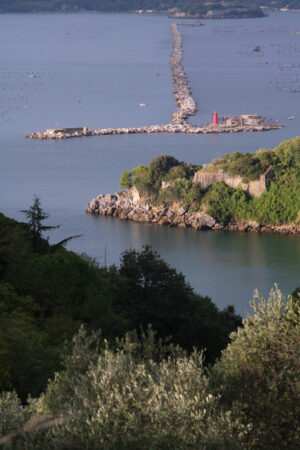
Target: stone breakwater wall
{"points": [[168, 128], [186, 107], [127, 205]]}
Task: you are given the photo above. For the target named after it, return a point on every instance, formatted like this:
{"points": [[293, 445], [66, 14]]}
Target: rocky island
{"points": [[257, 192]]}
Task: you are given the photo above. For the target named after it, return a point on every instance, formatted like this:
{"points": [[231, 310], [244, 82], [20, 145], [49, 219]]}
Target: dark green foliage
{"points": [[296, 295], [278, 204], [36, 216], [58, 281], [149, 291], [178, 191], [141, 177], [126, 180], [15, 243], [167, 196], [161, 165], [46, 295], [143, 180], [194, 197], [113, 395], [148, 180], [26, 358], [285, 156], [225, 203], [257, 378], [159, 168], [43, 299], [177, 172], [287, 153], [247, 165], [140, 392]]}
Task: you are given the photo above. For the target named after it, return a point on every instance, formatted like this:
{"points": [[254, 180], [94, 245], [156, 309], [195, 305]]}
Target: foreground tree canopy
{"points": [[142, 392], [218, 383], [47, 292]]}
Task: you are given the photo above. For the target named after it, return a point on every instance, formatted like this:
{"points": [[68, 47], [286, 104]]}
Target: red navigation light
{"points": [[215, 120]]}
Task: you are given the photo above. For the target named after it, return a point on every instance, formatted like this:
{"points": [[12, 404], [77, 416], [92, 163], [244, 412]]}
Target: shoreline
{"points": [[186, 107], [127, 205]]}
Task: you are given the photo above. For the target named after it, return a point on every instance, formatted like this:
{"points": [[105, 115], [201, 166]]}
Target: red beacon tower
{"points": [[215, 119]]}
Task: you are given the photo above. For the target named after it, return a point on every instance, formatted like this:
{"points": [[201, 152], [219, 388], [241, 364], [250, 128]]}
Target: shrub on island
{"points": [[171, 183]]}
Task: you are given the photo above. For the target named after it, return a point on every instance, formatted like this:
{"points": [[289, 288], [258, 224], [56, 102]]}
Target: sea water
{"points": [[95, 70]]}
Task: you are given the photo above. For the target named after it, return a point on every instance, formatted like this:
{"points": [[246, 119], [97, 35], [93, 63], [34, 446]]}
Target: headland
{"points": [[257, 192], [127, 205]]}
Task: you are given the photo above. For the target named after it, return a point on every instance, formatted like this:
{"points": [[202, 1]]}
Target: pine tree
{"points": [[36, 216]]}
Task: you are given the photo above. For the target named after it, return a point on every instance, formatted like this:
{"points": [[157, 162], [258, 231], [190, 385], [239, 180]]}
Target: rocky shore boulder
{"points": [[128, 205]]}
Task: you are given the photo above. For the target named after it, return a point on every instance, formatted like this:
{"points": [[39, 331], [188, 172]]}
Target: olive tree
{"points": [[258, 376]]}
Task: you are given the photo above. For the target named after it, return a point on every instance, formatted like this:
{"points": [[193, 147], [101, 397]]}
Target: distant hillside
{"points": [[191, 7]]}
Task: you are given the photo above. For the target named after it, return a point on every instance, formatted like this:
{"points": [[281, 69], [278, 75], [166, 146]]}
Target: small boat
{"points": [[290, 118], [31, 75], [143, 104]]}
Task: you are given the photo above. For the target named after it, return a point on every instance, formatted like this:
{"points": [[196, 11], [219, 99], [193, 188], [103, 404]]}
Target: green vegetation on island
{"points": [[166, 181]]}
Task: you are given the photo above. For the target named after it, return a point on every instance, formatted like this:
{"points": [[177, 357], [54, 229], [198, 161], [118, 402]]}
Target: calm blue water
{"points": [[95, 70]]}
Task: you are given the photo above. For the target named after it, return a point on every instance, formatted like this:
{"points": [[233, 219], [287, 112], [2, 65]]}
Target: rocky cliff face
{"points": [[127, 205], [255, 188]]}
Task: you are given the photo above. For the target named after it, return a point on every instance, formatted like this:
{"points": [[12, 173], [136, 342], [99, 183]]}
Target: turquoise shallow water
{"points": [[95, 70]]}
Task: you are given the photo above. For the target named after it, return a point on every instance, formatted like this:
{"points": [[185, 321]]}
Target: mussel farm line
{"points": [[186, 107]]}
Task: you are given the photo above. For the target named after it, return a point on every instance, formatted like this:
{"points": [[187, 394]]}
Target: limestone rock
{"points": [[127, 205]]}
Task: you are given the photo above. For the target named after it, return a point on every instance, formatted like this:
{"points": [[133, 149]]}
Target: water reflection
{"points": [[224, 265], [101, 60]]}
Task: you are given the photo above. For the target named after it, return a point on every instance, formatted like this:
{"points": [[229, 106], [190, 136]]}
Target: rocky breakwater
{"points": [[127, 205], [181, 126], [186, 105]]}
